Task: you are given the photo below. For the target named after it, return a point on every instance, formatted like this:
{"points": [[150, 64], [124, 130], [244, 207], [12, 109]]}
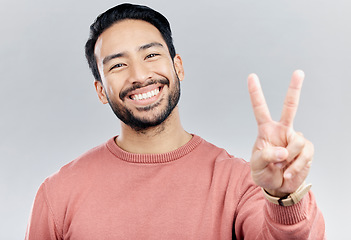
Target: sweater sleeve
{"points": [[41, 224], [257, 218]]}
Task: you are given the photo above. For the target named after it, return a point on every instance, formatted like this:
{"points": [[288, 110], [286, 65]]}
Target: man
{"points": [[155, 180]]}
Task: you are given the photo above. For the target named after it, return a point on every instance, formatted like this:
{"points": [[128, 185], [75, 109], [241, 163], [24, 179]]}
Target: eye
{"points": [[119, 65], [152, 55]]}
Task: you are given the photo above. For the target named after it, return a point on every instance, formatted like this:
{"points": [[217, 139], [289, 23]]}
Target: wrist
{"points": [[275, 193], [288, 199]]}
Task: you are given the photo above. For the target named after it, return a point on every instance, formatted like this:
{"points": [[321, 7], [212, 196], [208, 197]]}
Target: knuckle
{"points": [[300, 141], [296, 167], [311, 146], [309, 150], [303, 163], [300, 133]]}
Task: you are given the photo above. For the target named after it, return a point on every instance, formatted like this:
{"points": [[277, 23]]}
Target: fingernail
{"points": [[287, 175], [300, 73], [280, 154], [279, 165]]}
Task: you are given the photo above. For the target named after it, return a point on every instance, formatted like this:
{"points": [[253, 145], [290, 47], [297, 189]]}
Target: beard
{"points": [[139, 124]]}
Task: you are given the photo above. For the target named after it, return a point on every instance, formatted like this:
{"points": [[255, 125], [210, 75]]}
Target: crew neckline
{"points": [[153, 158]]}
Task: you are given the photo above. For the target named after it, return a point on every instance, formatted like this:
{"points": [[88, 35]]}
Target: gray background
{"points": [[50, 113]]}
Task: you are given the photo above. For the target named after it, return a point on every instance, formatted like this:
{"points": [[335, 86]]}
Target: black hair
{"points": [[119, 13]]}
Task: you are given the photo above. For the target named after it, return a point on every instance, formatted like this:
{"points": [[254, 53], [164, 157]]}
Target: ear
{"points": [[178, 66], [100, 91]]}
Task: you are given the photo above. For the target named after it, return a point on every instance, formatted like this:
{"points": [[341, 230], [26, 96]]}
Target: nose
{"points": [[139, 72]]}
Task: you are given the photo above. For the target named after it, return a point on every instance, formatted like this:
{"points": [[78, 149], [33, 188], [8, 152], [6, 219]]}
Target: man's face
{"points": [[139, 79]]}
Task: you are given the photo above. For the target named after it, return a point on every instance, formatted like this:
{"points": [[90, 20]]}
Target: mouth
{"points": [[145, 95]]}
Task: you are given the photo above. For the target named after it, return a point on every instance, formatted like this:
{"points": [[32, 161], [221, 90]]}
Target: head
{"points": [[119, 13], [132, 57]]}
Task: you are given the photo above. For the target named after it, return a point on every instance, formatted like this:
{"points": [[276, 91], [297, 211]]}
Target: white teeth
{"points": [[143, 96]]}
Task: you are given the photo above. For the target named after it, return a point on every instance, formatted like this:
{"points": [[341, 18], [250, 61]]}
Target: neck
{"points": [[164, 138]]}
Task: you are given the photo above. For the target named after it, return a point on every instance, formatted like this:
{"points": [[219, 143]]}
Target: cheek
{"points": [[113, 88], [166, 70]]}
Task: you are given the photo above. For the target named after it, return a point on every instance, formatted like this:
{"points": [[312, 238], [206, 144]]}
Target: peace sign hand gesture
{"points": [[281, 158]]}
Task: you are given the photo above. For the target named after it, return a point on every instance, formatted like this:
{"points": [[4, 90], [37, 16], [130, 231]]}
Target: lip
{"points": [[143, 90], [148, 101]]}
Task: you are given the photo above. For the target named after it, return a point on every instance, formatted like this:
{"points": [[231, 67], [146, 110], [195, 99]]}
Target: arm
{"points": [[41, 224], [258, 218], [281, 159]]}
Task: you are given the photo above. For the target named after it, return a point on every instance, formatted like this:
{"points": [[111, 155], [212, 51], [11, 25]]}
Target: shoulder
{"points": [[80, 168], [220, 154], [77, 176]]}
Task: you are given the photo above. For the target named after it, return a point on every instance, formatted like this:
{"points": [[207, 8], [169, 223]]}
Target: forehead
{"points": [[127, 35]]}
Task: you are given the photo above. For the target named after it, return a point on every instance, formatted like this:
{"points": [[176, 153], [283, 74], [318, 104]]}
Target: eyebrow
{"points": [[122, 54], [150, 45], [113, 56]]}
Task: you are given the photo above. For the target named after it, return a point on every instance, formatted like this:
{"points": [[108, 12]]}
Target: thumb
{"points": [[261, 158]]}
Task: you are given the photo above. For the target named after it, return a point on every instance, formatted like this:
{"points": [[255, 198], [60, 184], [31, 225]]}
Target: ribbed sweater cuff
{"points": [[287, 215]]}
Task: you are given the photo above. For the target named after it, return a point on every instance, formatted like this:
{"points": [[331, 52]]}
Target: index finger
{"points": [[258, 101], [291, 101]]}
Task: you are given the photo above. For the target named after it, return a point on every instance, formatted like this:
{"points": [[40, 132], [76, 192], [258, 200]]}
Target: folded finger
{"points": [[301, 165], [296, 143]]}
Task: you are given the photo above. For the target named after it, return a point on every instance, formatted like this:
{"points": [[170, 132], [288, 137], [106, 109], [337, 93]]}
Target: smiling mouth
{"points": [[146, 95]]}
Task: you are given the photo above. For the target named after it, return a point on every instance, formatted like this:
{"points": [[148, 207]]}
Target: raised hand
{"points": [[281, 158]]}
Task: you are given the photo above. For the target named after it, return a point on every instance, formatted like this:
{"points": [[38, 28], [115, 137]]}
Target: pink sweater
{"points": [[198, 191]]}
